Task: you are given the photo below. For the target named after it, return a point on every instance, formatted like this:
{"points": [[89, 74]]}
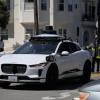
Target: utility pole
{"points": [[36, 24]]}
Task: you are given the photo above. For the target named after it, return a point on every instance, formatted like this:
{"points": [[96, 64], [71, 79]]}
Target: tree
{"points": [[4, 14]]}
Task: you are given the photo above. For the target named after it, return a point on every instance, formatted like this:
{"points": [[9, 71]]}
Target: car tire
{"points": [[86, 72], [4, 84], [52, 76]]}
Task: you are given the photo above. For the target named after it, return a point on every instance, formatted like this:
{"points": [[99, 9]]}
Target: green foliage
{"points": [[4, 14]]}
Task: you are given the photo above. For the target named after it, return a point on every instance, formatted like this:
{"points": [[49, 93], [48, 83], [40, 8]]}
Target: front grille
{"points": [[13, 68]]}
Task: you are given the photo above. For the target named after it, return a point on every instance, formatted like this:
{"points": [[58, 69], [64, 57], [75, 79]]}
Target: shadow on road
{"points": [[65, 84]]}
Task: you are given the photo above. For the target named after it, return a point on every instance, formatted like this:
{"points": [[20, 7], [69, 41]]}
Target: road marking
{"points": [[64, 95], [48, 98], [59, 97]]}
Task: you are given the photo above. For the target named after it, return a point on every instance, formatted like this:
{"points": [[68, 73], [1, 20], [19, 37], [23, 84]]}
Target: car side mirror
{"points": [[65, 53]]}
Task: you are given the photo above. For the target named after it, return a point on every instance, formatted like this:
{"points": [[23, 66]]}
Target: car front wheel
{"points": [[52, 76]]}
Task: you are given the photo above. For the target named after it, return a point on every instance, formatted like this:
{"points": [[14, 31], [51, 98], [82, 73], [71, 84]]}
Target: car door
{"points": [[76, 57], [64, 62]]}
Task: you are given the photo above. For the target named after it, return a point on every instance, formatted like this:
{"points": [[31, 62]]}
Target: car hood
{"points": [[28, 59]]}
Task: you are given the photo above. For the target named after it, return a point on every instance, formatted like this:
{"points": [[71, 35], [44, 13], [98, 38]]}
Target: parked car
{"points": [[45, 58], [90, 91]]}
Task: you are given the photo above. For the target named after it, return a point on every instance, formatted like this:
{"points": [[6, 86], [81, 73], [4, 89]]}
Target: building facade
{"points": [[74, 18]]}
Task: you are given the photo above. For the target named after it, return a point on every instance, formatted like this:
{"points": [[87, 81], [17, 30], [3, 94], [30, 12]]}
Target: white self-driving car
{"points": [[45, 58]]}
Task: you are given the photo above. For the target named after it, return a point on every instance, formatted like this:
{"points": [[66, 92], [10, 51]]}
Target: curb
{"points": [[96, 74]]}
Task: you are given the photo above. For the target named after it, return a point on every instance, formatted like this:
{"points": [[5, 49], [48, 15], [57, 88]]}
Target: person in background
{"points": [[1, 45]]}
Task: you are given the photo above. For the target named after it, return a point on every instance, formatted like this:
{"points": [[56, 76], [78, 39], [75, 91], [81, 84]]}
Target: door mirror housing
{"points": [[65, 53]]}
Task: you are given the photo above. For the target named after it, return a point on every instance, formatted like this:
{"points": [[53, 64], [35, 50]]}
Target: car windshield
{"points": [[37, 47]]}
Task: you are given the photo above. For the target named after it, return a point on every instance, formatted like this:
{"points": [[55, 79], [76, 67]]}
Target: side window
{"points": [[64, 47], [74, 47], [44, 5]]}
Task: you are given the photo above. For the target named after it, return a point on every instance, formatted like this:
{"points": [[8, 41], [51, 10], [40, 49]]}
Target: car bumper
{"points": [[20, 79], [36, 74]]}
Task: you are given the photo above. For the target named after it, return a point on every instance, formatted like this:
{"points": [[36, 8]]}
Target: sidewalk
{"points": [[95, 74]]}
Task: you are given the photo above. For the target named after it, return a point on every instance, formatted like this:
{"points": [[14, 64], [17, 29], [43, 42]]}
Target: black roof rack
{"points": [[49, 32], [36, 38]]}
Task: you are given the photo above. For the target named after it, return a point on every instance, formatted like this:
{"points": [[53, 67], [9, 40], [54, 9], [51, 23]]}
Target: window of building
{"points": [[86, 37], [78, 31], [29, 0], [90, 10], [76, 6], [8, 4], [43, 4], [60, 31], [61, 5], [70, 7], [28, 4]]}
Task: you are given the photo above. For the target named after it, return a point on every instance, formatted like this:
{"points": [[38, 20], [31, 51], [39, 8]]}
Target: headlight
{"points": [[83, 96], [39, 65]]}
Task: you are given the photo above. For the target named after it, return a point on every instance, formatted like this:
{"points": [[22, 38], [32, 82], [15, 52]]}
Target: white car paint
{"points": [[28, 59], [65, 64]]}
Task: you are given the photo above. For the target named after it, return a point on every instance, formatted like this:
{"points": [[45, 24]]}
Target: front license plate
{"points": [[12, 78]]}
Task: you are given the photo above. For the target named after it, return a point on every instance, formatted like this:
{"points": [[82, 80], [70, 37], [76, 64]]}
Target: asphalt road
{"points": [[64, 90]]}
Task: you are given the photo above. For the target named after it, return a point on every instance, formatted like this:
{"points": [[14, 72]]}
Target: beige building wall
{"points": [[18, 28], [64, 21]]}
